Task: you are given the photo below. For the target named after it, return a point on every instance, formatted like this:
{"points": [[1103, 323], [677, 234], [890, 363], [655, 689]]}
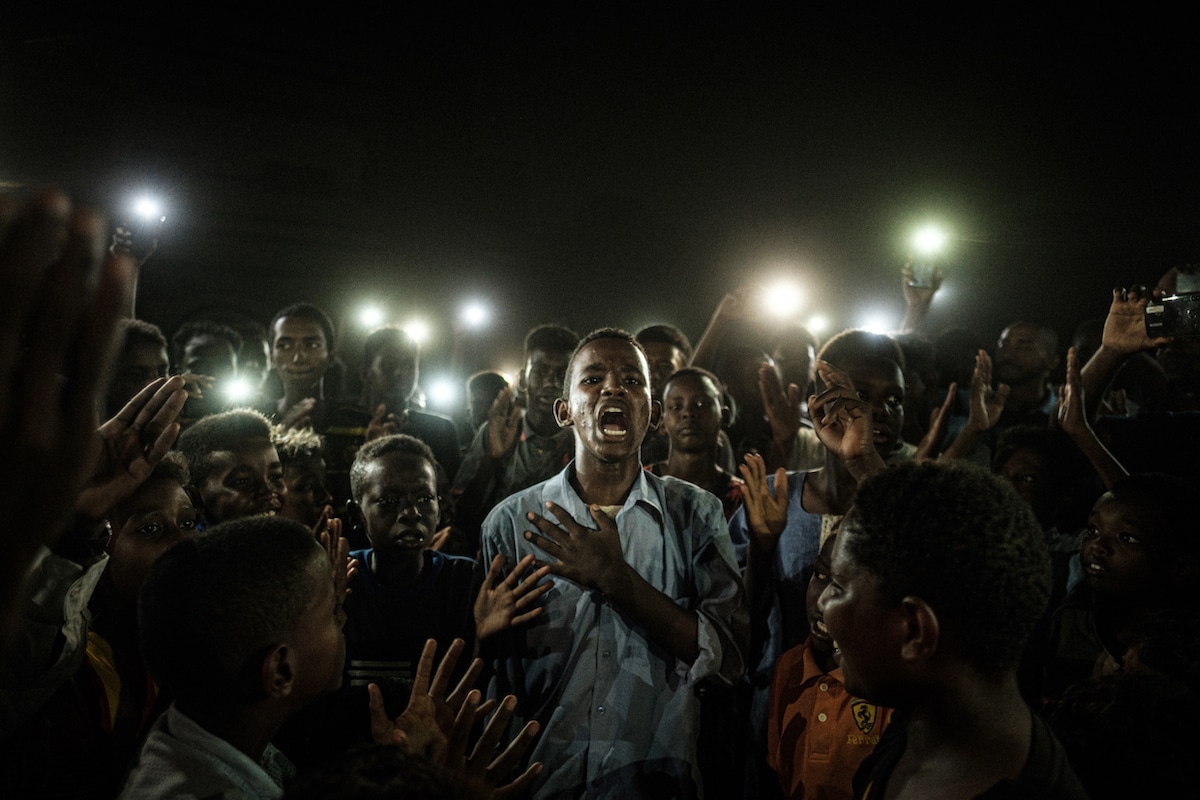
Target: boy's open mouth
{"points": [[613, 422]]}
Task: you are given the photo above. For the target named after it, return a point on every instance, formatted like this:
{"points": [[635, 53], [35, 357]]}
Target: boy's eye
{"points": [[893, 400], [386, 502], [1128, 538], [862, 395], [149, 530], [189, 524], [823, 577], [1091, 531], [427, 500]]}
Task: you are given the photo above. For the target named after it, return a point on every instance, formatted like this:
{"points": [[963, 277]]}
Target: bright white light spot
{"points": [[782, 298], [370, 316], [877, 322], [148, 208], [475, 314], [929, 240], [419, 330], [238, 390], [442, 393], [817, 324]]}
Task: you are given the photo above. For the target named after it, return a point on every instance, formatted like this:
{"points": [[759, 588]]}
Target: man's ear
{"points": [[562, 413], [655, 414], [278, 672], [521, 381], [922, 630]]}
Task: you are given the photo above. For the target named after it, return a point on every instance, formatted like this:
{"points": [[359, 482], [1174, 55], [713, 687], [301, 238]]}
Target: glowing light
{"points": [[929, 240], [418, 329], [370, 316], [442, 393], [877, 322], [475, 314], [818, 324], [238, 390], [148, 208], [782, 298]]}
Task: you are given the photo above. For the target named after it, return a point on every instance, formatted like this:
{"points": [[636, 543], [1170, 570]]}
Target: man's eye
{"points": [[189, 524], [1128, 538], [315, 345], [150, 530], [427, 500], [1090, 532], [893, 400], [823, 577], [239, 483], [386, 502]]}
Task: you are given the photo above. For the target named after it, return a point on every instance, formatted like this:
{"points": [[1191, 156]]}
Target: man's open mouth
{"points": [[614, 422]]}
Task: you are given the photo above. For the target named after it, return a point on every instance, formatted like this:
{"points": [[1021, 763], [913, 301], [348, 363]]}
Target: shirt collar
{"points": [[647, 492]]}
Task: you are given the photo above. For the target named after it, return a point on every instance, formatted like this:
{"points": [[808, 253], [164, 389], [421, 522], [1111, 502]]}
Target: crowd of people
{"points": [[901, 565]]}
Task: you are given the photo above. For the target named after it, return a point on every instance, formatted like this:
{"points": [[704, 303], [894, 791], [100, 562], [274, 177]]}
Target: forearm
{"points": [[672, 626], [1096, 375], [963, 444], [705, 353], [1105, 463]]}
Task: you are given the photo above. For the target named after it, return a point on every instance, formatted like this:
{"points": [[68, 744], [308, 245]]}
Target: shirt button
{"points": [[824, 687], [822, 716], [601, 710]]}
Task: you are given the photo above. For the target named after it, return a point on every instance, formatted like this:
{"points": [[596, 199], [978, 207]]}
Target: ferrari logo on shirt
{"points": [[864, 714]]}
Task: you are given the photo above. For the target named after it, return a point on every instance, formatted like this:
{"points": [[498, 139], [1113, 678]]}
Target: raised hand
{"points": [[427, 723], [483, 766], [844, 422], [588, 556], [131, 445], [337, 548], [63, 298], [384, 423], [511, 601], [1069, 414], [1125, 327], [299, 415], [783, 408], [986, 404], [766, 513], [938, 420], [504, 423]]}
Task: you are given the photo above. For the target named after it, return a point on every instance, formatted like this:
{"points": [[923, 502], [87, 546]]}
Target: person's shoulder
{"points": [[431, 420], [517, 504], [681, 495]]}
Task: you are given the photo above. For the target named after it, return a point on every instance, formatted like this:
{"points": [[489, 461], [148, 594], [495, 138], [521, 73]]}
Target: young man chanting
{"points": [[646, 601]]}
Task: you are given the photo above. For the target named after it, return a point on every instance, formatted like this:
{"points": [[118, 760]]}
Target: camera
{"points": [[1178, 315]]}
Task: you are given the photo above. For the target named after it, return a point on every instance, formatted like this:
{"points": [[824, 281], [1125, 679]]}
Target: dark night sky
{"points": [[618, 171]]}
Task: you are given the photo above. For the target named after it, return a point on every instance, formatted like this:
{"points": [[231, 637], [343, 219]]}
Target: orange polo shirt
{"points": [[817, 734]]}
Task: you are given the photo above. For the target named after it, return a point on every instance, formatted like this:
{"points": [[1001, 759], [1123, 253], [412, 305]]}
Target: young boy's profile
{"points": [[244, 626], [938, 577], [817, 732], [234, 466]]}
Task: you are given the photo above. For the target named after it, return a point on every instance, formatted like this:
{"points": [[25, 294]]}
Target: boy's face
{"points": [[864, 629], [1026, 470], [138, 366], [822, 640], [317, 642], [391, 377], [543, 380], [880, 382], [300, 353], [158, 516], [400, 505], [307, 495], [1119, 550], [243, 482], [209, 355], [609, 404], [664, 359], [692, 414]]}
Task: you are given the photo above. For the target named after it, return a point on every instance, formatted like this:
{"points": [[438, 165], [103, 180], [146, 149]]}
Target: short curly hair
{"points": [[228, 430], [601, 333], [962, 540], [853, 344], [208, 607], [377, 448]]}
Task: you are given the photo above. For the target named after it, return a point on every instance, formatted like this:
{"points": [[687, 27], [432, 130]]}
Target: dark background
{"points": [[614, 168]]}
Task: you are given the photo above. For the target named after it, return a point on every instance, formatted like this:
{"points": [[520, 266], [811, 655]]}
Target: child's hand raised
{"points": [[766, 513], [844, 422]]}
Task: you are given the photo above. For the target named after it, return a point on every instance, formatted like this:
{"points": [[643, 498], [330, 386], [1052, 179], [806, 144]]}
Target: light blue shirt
{"points": [[619, 713]]}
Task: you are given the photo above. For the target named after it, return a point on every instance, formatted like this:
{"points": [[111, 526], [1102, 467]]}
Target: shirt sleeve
{"points": [[53, 638], [723, 629]]}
